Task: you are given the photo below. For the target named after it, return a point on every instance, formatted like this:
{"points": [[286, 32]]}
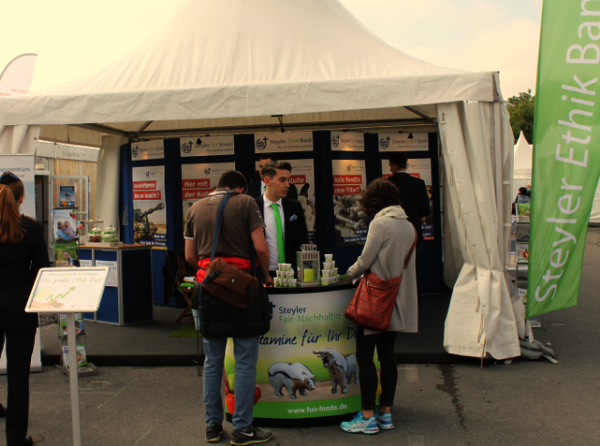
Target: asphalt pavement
{"points": [[525, 403]]}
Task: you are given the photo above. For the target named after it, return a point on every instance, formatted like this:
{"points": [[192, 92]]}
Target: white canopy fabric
{"points": [[523, 163], [229, 66]]}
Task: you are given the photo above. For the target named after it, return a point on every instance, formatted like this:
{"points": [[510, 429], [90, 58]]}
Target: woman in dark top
{"points": [[22, 253]]}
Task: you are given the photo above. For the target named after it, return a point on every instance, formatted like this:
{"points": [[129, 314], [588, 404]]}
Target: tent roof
{"points": [[523, 157], [233, 64]]}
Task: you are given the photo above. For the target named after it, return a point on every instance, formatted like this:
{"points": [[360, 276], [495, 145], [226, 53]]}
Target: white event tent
{"points": [[239, 66], [522, 164]]}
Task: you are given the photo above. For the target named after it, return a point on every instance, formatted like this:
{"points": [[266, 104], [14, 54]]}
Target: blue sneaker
{"points": [[384, 420], [360, 425]]}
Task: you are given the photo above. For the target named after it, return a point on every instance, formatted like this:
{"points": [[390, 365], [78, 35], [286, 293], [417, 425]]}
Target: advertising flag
{"points": [[17, 75], [566, 162]]}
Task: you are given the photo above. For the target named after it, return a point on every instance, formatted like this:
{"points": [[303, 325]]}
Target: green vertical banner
{"points": [[566, 156]]}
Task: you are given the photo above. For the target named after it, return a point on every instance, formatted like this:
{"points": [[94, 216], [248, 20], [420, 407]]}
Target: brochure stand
{"points": [[69, 290], [84, 368], [521, 234]]}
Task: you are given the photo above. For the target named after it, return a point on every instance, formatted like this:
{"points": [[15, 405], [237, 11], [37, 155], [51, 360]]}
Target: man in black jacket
{"points": [[284, 218], [413, 193], [257, 188]]}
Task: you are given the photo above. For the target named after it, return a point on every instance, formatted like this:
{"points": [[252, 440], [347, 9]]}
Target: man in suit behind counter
{"points": [[413, 193], [257, 188], [284, 218]]}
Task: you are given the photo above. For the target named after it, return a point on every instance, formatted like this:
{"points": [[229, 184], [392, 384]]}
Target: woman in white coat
{"points": [[389, 241]]}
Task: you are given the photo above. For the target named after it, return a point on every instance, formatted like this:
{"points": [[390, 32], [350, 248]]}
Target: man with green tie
{"points": [[257, 188], [284, 218]]}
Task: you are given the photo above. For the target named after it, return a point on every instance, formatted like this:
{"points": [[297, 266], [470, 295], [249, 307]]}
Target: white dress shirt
{"points": [[271, 231], [263, 187]]}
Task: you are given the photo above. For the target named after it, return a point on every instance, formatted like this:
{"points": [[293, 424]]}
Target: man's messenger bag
{"points": [[231, 300], [230, 283]]}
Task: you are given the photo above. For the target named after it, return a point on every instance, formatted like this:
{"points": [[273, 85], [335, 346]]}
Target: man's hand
{"points": [[268, 282]]}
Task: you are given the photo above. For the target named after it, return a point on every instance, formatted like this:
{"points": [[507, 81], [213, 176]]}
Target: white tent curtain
{"points": [[107, 177], [19, 138], [477, 162]]}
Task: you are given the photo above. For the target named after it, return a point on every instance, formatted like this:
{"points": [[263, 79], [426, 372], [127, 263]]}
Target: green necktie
{"points": [[280, 246]]}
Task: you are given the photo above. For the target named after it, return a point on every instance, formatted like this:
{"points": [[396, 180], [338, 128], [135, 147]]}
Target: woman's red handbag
{"points": [[373, 303]]}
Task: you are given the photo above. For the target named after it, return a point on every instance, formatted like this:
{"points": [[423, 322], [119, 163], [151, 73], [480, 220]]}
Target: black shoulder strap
{"points": [[218, 224]]}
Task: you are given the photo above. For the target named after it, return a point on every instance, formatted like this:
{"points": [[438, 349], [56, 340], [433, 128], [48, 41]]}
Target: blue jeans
{"points": [[245, 351]]}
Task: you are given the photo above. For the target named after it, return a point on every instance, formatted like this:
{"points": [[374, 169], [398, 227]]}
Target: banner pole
{"points": [[74, 378]]}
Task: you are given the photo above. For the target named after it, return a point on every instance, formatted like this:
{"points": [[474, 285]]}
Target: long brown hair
{"points": [[11, 229]]}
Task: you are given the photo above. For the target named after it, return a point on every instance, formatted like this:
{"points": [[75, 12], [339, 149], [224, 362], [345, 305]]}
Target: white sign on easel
{"points": [[69, 290]]}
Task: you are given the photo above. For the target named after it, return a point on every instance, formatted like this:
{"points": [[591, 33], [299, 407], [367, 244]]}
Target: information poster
{"points": [[199, 180], [64, 225], [348, 141], [149, 206], [283, 142], [419, 168], [306, 366], [403, 142], [64, 290], [112, 272], [349, 183], [303, 177], [147, 150], [22, 166], [207, 146]]}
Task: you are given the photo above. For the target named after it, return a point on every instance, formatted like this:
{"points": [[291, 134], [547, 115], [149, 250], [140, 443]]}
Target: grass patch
{"points": [[187, 331]]}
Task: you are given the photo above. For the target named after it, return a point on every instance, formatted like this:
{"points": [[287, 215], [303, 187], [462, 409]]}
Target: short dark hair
{"points": [[232, 179], [270, 170], [267, 156], [523, 190], [380, 194], [399, 159]]}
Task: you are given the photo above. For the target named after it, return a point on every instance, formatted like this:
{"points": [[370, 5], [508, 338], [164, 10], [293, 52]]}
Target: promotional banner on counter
{"points": [[199, 180], [349, 183], [403, 142], [147, 150], [283, 142], [207, 146], [348, 141], [22, 166], [566, 164], [303, 177], [419, 168], [306, 366], [149, 206]]}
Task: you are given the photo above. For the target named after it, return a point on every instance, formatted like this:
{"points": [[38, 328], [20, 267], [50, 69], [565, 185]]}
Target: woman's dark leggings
{"points": [[367, 374]]}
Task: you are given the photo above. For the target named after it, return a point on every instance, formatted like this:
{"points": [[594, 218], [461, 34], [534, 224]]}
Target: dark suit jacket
{"points": [[413, 198], [295, 230], [19, 265], [255, 192]]}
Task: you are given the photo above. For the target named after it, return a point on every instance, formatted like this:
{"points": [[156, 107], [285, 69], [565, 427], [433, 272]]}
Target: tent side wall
{"points": [[477, 168]]}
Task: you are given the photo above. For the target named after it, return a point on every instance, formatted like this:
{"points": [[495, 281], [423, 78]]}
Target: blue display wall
{"points": [[245, 156]]}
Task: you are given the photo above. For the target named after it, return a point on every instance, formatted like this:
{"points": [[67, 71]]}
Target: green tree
{"points": [[520, 109]]}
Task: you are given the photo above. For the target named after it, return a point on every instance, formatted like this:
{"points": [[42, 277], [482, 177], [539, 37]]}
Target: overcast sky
{"points": [[74, 37]]}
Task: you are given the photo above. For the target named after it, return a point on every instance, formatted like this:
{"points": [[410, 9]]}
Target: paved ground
{"points": [[526, 403]]}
